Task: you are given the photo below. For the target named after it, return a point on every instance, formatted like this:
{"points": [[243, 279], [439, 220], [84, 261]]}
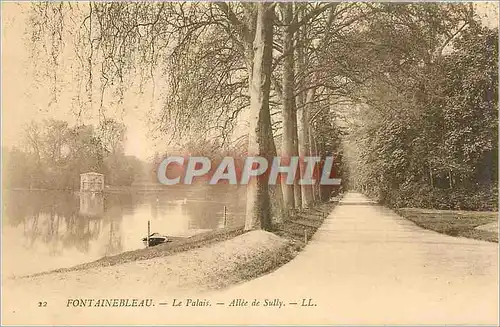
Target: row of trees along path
{"points": [[285, 68]]}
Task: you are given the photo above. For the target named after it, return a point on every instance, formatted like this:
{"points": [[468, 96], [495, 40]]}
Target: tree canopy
{"points": [[404, 95]]}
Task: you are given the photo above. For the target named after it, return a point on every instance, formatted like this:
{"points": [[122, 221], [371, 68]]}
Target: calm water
{"points": [[48, 230]]}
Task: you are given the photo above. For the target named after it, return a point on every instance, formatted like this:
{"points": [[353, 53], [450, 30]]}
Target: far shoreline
{"points": [[108, 189]]}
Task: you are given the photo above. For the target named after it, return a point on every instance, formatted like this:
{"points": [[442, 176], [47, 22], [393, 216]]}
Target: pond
{"points": [[43, 230]]}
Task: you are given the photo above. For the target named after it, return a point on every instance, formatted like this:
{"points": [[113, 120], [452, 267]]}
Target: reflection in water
{"points": [[48, 230], [91, 204]]}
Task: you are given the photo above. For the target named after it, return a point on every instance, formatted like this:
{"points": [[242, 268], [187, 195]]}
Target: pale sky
{"points": [[24, 98]]}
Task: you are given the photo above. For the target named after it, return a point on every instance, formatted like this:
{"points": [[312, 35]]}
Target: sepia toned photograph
{"points": [[249, 163]]}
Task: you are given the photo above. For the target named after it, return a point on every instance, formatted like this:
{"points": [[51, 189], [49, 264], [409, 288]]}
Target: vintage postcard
{"points": [[257, 163]]}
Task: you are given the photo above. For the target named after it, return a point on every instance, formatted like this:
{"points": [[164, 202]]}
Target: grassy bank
{"points": [[302, 223], [453, 222], [179, 245], [305, 221]]}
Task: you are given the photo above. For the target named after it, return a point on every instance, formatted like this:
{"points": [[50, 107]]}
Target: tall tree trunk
{"points": [[258, 206], [313, 153], [317, 188], [296, 186], [304, 145], [430, 177], [300, 101], [450, 178], [288, 100], [277, 194]]}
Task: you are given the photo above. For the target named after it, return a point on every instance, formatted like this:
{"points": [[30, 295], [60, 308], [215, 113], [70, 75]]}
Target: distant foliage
{"points": [[53, 155]]}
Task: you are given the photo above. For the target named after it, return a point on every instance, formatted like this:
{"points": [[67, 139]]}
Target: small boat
{"points": [[155, 239]]}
